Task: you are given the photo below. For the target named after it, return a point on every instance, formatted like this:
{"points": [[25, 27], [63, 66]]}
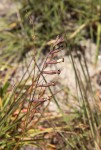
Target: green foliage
{"points": [[39, 21]]}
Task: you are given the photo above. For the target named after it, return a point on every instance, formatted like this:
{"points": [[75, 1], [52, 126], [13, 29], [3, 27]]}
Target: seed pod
{"points": [[36, 100]]}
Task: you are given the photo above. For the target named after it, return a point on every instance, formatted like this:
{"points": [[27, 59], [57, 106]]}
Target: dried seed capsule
{"points": [[36, 100]]}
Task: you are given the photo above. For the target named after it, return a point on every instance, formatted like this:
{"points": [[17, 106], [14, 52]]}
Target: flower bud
{"points": [[55, 61], [51, 72], [47, 84]]}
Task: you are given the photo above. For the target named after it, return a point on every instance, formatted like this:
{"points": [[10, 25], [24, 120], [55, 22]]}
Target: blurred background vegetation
{"points": [[35, 22]]}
